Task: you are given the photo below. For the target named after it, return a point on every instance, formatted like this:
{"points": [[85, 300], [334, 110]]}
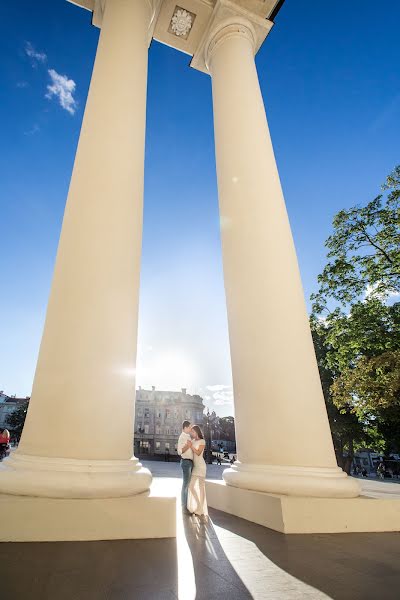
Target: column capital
{"points": [[98, 7], [235, 26], [229, 19]]}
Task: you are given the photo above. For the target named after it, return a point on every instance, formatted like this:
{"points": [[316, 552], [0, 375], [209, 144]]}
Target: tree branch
{"points": [[381, 250]]}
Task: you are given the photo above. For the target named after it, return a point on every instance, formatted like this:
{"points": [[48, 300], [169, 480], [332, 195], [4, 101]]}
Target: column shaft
{"points": [[281, 420], [82, 405]]}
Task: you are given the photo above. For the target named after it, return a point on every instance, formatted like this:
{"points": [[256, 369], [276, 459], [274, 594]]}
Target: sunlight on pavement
{"points": [[186, 575], [261, 576], [234, 556]]}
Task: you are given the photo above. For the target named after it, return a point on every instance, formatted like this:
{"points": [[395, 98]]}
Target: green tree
{"points": [[361, 351], [360, 337], [17, 418], [372, 391], [364, 250], [227, 428], [369, 328], [348, 432]]}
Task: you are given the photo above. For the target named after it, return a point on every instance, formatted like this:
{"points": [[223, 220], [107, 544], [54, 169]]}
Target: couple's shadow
{"points": [[214, 575]]}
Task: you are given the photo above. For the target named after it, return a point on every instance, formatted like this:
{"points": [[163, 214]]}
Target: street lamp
{"points": [[208, 438]]}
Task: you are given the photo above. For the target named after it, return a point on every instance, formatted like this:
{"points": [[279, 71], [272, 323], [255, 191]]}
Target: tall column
{"points": [[78, 437], [283, 436]]}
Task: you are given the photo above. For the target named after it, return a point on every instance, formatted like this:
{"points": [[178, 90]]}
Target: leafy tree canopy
{"points": [[369, 329], [358, 342], [364, 250], [17, 419]]}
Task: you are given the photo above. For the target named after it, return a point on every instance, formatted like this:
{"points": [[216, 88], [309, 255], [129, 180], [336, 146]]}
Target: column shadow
{"points": [[214, 574], [101, 570], [349, 566]]}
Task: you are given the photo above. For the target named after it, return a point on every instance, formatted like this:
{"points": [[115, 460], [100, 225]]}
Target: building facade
{"points": [[8, 405], [158, 419]]}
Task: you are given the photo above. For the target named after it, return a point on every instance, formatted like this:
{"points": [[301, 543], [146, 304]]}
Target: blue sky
{"points": [[330, 77]]}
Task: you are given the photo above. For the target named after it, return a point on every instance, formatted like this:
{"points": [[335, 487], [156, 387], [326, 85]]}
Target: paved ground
{"points": [[225, 558], [374, 488]]}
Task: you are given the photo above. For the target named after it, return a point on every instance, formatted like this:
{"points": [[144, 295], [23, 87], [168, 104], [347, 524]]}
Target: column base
{"points": [[289, 514], [293, 481], [28, 519], [26, 475]]}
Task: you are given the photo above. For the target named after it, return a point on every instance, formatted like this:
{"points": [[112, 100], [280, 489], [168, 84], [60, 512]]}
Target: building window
{"points": [[167, 431], [158, 430], [139, 412], [159, 414], [167, 445], [144, 447], [146, 429], [167, 413], [158, 445], [147, 412], [176, 431], [188, 414]]}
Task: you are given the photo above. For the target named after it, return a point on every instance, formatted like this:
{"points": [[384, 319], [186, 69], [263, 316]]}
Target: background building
{"points": [[158, 419], [8, 405]]}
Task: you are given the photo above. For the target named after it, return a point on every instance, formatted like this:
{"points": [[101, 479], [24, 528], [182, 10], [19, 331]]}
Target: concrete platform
{"points": [[224, 558], [290, 514], [27, 519]]}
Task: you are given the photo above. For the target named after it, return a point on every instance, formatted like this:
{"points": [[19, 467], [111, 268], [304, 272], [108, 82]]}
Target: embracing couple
{"points": [[191, 447]]}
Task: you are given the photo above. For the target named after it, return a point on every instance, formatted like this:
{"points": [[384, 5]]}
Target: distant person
{"points": [[381, 470], [197, 502], [4, 443], [233, 460], [186, 453], [5, 437]]}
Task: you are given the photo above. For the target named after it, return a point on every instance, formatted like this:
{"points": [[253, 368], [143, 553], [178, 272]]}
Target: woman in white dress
{"points": [[197, 503]]}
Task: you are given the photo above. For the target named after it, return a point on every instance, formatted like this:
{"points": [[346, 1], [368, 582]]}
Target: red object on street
{"points": [[5, 437]]}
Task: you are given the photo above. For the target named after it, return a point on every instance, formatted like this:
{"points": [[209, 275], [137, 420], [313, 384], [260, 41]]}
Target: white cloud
{"points": [[62, 88], [22, 84], [394, 294], [223, 394], [371, 292], [216, 388], [322, 319], [36, 57], [222, 398]]}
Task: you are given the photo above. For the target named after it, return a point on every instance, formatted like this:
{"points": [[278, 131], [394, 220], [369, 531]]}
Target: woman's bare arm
{"points": [[200, 449]]}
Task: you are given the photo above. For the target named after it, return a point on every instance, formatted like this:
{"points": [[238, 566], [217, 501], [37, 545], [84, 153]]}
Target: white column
{"points": [[78, 437], [283, 436]]}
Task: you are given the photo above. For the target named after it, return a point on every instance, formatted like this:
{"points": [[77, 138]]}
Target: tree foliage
{"points": [[364, 250], [372, 386], [17, 418], [358, 342], [348, 433], [227, 428]]}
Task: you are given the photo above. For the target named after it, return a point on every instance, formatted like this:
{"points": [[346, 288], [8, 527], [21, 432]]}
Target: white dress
{"points": [[197, 502]]}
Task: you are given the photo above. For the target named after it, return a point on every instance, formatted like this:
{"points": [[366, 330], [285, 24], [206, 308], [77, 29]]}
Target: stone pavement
{"points": [[224, 558]]}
